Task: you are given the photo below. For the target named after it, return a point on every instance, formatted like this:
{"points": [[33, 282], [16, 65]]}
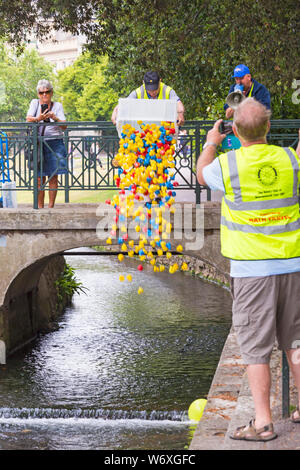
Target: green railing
{"points": [[91, 147]]}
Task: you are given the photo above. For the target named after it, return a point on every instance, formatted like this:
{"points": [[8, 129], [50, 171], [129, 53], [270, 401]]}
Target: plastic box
{"points": [[9, 196], [130, 111]]}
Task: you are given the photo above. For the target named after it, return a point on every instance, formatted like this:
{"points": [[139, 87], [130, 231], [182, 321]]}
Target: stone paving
{"points": [[229, 405]]}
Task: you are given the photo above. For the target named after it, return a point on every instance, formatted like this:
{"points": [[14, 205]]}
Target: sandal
{"points": [[295, 420], [250, 433]]}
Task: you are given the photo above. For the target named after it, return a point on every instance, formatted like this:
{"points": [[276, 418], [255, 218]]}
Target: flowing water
{"points": [[121, 369]]}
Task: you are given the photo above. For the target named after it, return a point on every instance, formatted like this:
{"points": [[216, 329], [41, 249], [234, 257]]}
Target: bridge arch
{"points": [[30, 241]]}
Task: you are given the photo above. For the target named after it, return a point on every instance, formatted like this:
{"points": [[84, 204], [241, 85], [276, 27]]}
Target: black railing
{"points": [[91, 148]]}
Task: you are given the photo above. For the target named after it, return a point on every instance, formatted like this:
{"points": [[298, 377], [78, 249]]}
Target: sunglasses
{"points": [[45, 92]]}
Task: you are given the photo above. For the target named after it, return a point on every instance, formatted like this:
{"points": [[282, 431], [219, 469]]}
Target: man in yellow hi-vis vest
{"points": [[153, 88], [260, 233]]}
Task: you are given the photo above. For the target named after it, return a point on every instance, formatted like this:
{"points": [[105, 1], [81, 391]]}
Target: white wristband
{"points": [[209, 143]]}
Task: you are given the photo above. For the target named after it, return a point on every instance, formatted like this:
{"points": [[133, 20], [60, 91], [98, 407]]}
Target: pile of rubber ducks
{"points": [[145, 178]]}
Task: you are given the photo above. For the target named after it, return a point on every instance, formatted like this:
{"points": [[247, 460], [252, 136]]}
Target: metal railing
{"points": [[92, 146]]}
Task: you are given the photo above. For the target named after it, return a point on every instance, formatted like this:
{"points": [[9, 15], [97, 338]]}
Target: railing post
{"points": [[35, 165], [285, 387], [197, 150], [66, 142]]}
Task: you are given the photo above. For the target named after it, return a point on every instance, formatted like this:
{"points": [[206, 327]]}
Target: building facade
{"points": [[61, 49]]}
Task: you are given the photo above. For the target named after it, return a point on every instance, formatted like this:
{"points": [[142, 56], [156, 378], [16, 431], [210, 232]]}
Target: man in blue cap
{"points": [[251, 88]]}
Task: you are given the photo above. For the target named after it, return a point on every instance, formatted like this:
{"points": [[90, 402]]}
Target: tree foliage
{"points": [[86, 93], [193, 44], [19, 76]]}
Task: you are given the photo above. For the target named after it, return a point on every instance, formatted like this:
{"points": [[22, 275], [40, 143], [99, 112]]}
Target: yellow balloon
{"points": [[196, 409]]}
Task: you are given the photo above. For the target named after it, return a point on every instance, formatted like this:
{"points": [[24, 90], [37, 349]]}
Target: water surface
{"points": [[121, 369]]}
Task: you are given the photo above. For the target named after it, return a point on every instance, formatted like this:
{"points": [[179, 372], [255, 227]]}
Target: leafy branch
{"points": [[67, 285]]}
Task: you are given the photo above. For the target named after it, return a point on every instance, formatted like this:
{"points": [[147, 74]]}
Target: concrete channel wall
{"points": [[30, 238], [33, 306]]}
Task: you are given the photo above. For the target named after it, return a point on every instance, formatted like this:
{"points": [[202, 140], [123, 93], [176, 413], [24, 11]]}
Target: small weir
{"points": [[121, 369], [98, 414]]}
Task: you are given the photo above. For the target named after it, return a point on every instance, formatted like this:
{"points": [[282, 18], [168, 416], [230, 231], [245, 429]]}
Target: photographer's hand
{"points": [[42, 116], [213, 139], [214, 136], [52, 116]]}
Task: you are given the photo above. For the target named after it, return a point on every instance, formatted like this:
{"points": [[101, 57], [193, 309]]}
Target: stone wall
{"points": [[31, 307], [198, 267]]}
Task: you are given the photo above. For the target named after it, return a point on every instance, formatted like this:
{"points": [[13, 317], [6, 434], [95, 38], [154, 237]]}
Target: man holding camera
{"points": [[250, 88], [260, 234]]}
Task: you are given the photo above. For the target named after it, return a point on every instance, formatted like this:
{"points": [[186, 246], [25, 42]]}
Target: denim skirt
{"points": [[54, 158]]}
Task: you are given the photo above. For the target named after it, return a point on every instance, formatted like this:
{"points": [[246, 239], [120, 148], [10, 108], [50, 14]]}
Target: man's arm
{"points": [[298, 146], [114, 115], [180, 113], [229, 112], [213, 139]]}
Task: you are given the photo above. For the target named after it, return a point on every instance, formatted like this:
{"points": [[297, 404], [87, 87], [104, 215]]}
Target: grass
{"points": [[75, 197]]}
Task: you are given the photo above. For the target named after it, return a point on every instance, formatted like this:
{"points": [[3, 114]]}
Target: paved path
{"points": [[229, 405]]}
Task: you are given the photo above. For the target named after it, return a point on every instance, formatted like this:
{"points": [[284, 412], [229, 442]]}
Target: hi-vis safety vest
{"points": [[250, 93], [164, 92], [260, 208]]}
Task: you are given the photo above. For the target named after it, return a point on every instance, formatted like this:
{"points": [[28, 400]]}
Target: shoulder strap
{"points": [[38, 103]]}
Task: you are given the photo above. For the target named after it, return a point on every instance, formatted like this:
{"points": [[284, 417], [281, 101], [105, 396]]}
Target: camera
{"points": [[226, 127], [44, 107]]}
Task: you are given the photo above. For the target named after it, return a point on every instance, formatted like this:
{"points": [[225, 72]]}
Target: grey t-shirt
{"points": [[57, 109]]}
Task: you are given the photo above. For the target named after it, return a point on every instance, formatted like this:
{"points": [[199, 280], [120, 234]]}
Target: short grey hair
{"points": [[44, 84], [251, 119]]}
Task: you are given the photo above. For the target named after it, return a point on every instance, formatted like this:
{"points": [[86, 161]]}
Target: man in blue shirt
{"points": [[252, 88]]}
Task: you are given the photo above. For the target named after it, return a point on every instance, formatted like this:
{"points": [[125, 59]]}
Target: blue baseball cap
{"points": [[240, 70]]}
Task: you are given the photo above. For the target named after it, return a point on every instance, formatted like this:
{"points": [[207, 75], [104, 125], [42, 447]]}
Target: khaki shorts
{"points": [[265, 308]]}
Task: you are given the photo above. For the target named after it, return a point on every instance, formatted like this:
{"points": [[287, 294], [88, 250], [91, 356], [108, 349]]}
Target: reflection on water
{"points": [[122, 368]]}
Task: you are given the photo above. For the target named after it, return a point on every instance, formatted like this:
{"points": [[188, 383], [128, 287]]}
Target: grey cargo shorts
{"points": [[266, 308]]}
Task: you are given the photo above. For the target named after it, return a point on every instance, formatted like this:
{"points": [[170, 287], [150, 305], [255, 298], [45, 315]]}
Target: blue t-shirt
{"points": [[212, 175]]}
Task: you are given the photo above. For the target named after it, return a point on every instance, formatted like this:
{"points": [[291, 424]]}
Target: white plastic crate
{"points": [[130, 111], [9, 195]]}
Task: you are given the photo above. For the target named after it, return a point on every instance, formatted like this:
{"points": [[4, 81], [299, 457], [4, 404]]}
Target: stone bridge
{"points": [[30, 238]]}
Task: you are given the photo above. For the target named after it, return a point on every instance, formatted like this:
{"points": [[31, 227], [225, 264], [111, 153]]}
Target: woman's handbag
{"points": [[28, 150]]}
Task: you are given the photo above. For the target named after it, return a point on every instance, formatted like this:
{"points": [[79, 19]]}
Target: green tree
{"points": [[19, 76], [193, 44], [196, 45], [85, 89]]}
